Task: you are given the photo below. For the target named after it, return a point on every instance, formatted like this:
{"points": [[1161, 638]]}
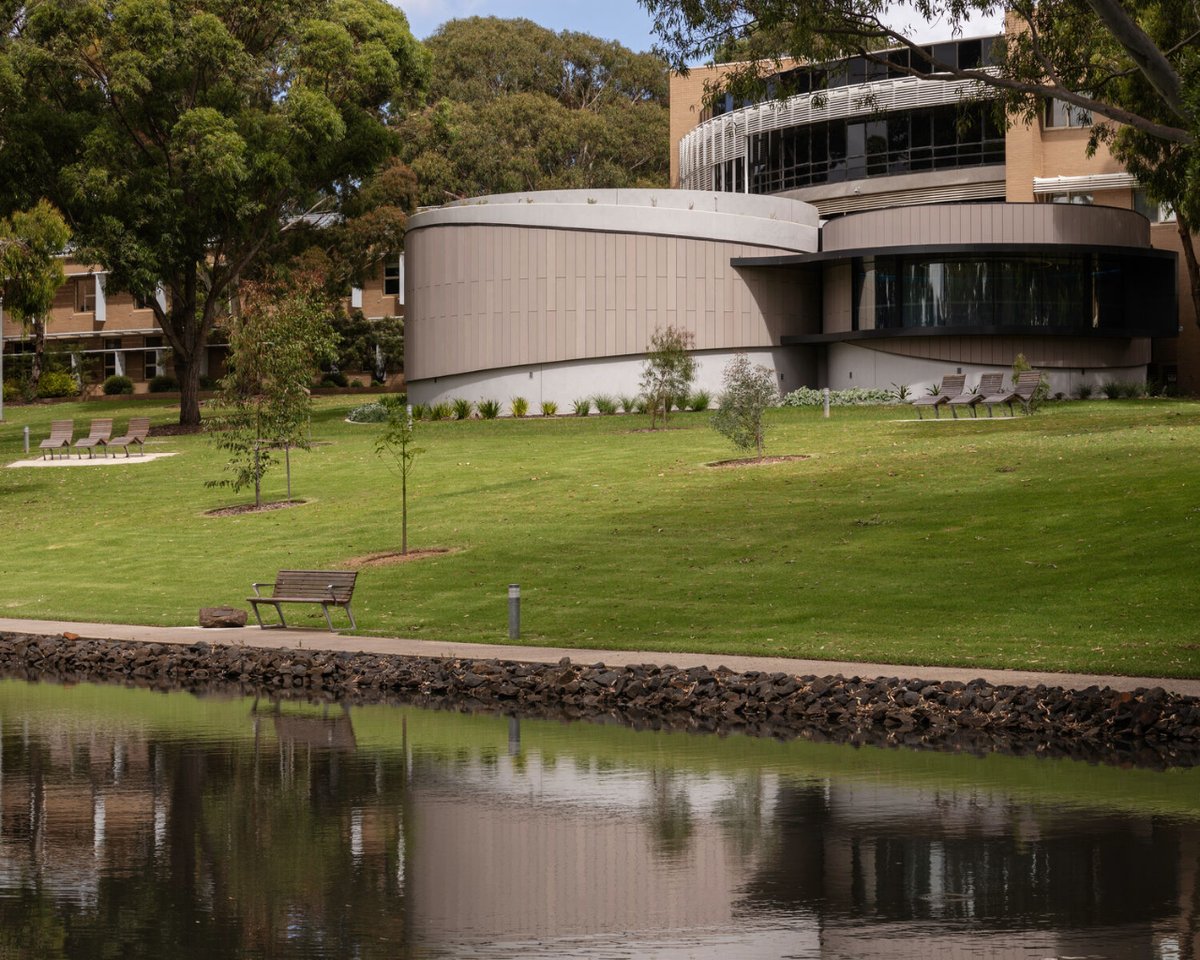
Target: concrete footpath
{"points": [[323, 640]]}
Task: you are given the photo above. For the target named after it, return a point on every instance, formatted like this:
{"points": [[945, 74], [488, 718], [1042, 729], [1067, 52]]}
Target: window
{"points": [[1150, 209], [85, 295], [1062, 114], [1074, 196], [153, 357], [392, 279], [114, 360]]}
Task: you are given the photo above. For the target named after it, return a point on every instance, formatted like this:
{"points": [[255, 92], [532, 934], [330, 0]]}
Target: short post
{"points": [[514, 611], [825, 392], [27, 439]]}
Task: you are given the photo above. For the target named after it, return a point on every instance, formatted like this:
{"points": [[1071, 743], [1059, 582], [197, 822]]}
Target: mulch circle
{"points": [[390, 557], [756, 462], [251, 508]]}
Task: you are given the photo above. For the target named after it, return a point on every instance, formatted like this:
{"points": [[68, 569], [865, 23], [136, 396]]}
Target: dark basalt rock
{"points": [[1148, 727]]}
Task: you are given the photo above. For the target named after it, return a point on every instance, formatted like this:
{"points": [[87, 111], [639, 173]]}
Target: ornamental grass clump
{"points": [[462, 408], [582, 407], [628, 404], [488, 409], [749, 392], [440, 411], [549, 408], [605, 405], [700, 401], [519, 406]]}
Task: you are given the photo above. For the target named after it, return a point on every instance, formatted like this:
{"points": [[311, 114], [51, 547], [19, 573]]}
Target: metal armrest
{"points": [[255, 586]]}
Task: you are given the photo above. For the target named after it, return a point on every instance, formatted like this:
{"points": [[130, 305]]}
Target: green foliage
{"points": [[1123, 389], [280, 336], [163, 383], [420, 411], [667, 372], [582, 406], [12, 391], [628, 403], [462, 408], [334, 379], [397, 443], [513, 106], [750, 391], [549, 408], [1021, 365], [605, 405], [58, 383], [117, 384], [369, 413], [700, 401], [440, 411], [209, 126], [1084, 391], [519, 406], [854, 397], [373, 346], [901, 392], [488, 409]]}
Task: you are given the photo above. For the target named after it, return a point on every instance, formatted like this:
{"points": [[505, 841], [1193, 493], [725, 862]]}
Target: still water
{"points": [[138, 824]]}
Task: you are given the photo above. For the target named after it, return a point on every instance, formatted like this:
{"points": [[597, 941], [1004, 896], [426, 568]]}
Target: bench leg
{"points": [[328, 619], [350, 614]]}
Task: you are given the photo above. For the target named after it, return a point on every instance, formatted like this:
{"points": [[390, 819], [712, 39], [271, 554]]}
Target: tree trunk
{"points": [[39, 348], [187, 372], [1187, 242]]}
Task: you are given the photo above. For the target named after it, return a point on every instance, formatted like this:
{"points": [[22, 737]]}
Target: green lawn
{"points": [[1063, 541]]}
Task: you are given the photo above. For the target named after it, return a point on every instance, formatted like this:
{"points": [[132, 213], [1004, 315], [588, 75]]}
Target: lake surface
{"points": [[139, 824]]}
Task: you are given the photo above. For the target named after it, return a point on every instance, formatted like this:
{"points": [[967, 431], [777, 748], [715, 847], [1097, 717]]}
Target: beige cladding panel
{"points": [[1013, 223], [487, 296]]}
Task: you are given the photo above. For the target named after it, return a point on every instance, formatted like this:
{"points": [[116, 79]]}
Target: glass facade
{"points": [[962, 54], [1061, 292], [932, 138]]}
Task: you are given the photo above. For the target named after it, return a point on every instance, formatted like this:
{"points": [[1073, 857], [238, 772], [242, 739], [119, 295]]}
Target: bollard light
{"points": [[514, 611], [26, 439], [826, 393]]}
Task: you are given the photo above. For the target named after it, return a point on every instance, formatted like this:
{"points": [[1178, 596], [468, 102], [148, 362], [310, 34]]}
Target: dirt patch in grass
{"points": [[251, 508], [756, 462], [176, 430], [390, 557]]}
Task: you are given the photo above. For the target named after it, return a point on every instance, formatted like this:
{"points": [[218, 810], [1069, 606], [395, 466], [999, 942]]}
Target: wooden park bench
{"points": [[97, 437], [136, 432], [329, 588], [61, 432], [1023, 390], [989, 384]]}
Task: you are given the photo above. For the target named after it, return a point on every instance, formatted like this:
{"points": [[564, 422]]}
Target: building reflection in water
{"points": [[293, 839]]}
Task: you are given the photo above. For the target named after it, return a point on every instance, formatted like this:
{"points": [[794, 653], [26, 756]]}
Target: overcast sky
{"points": [[622, 20]]}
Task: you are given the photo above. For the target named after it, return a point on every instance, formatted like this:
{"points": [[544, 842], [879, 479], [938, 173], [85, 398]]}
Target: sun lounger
{"points": [[136, 432], [1022, 391], [952, 386], [60, 437], [989, 384], [97, 437]]}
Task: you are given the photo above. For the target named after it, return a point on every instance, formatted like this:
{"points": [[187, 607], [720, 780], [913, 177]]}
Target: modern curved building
{"points": [[870, 229]]}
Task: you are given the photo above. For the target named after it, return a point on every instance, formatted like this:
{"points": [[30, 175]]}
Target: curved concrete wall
{"points": [[504, 287], [949, 224]]}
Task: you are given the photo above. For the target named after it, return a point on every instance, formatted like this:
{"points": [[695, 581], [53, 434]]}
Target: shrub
{"points": [[668, 371], [369, 413], [163, 383], [605, 405], [643, 405], [1123, 389], [549, 408], [114, 386], [582, 407], [335, 378], [208, 383], [420, 412], [854, 397], [900, 392], [488, 409], [629, 404], [462, 408], [749, 392], [701, 400], [440, 411], [1084, 391], [357, 384], [519, 406]]}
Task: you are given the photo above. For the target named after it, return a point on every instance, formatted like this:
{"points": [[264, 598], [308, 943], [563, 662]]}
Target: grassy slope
{"points": [[1063, 541]]}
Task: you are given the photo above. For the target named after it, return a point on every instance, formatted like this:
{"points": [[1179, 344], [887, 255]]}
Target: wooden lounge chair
{"points": [[1022, 391], [989, 384], [136, 432], [61, 432], [952, 386], [97, 437]]}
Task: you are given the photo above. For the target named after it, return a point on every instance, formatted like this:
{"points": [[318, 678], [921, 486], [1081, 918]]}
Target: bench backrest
{"points": [[101, 430], [1027, 382], [61, 429], [991, 383], [138, 427], [315, 583], [953, 384]]}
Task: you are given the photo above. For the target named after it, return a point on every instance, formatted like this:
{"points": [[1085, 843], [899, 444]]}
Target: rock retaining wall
{"points": [[1147, 727]]}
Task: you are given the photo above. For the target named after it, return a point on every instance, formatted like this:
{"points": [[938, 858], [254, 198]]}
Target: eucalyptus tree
{"points": [[208, 129]]}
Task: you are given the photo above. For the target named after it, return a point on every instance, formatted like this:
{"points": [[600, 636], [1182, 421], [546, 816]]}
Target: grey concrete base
{"points": [[323, 640]]}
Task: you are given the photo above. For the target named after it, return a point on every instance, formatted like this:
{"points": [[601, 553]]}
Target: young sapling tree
{"points": [[397, 443], [749, 392], [668, 371]]}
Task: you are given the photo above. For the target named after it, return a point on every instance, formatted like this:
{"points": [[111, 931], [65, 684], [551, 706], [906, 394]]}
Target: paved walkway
{"points": [[322, 640]]}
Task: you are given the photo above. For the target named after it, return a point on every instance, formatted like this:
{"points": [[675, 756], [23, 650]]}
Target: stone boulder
{"points": [[222, 617]]}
